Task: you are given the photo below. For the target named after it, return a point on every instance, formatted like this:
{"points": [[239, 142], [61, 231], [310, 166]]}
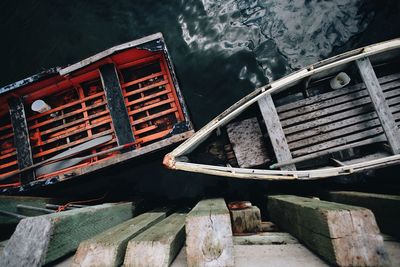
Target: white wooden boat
{"points": [[299, 127]]}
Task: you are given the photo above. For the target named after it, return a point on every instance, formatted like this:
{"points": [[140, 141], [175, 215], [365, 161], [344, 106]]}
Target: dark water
{"points": [[221, 50]]}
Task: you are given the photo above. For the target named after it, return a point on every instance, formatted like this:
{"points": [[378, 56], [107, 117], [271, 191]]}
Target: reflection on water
{"points": [[221, 51], [282, 34]]}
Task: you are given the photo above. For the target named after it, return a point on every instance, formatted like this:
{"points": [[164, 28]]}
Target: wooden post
{"points": [[21, 138], [116, 104], [341, 234], [108, 248], [275, 132], [158, 245], [386, 208], [246, 220], [209, 234], [381, 106], [43, 239]]}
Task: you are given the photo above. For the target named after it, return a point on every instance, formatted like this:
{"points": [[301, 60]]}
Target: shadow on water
{"points": [[221, 50]]}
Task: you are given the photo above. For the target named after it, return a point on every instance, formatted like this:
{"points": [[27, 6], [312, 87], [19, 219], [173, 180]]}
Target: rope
{"points": [[64, 207]]}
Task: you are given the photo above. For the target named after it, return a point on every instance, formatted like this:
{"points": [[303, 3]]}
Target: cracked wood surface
{"points": [[386, 208], [209, 234], [343, 235]]}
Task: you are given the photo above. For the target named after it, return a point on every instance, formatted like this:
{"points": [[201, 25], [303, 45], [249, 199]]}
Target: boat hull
{"points": [[178, 158], [127, 94]]}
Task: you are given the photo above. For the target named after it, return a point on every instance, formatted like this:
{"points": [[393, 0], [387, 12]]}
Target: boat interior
{"points": [[63, 111], [339, 116]]}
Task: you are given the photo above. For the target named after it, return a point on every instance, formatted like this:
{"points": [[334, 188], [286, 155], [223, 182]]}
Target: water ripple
{"points": [[283, 35]]}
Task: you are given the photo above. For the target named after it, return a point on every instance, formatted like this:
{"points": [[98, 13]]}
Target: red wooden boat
{"points": [[112, 107]]}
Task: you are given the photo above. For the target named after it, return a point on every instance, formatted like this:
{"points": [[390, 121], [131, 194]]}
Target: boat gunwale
{"points": [[171, 160], [262, 174], [81, 64], [118, 48]]}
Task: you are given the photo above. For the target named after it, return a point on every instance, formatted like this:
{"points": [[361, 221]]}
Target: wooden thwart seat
{"points": [[21, 138], [353, 116], [275, 131], [116, 105]]}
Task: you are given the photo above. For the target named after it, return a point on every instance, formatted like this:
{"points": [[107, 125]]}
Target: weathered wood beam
{"points": [[21, 138], [158, 245], [209, 234], [43, 239], [275, 132], [10, 203], [341, 234], [386, 208], [116, 104], [378, 100], [246, 220], [108, 248]]}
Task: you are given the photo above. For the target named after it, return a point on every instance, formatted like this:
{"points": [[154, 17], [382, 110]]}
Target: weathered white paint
{"points": [[172, 159]]}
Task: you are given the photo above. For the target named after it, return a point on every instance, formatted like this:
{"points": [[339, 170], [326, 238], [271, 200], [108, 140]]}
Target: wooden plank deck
{"points": [[353, 103], [388, 79], [337, 120]]}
